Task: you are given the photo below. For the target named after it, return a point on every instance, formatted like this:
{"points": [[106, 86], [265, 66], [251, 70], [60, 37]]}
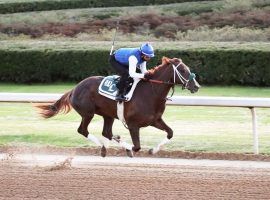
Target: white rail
{"points": [[28, 97], [220, 101], [250, 103]]}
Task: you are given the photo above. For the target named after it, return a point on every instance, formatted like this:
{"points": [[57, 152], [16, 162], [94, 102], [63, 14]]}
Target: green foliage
{"points": [[215, 63], [222, 66], [83, 15], [26, 6], [48, 66]]}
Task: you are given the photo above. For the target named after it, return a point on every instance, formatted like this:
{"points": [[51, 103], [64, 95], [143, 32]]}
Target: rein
{"points": [[159, 82]]}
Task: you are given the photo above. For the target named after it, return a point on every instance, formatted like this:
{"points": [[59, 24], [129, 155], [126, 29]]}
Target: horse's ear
{"points": [[165, 60]]}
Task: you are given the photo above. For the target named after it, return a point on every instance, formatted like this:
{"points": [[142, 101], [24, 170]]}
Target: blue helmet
{"points": [[147, 50]]}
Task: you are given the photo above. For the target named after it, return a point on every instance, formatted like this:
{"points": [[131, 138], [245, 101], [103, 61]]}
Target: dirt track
{"points": [[35, 178]]}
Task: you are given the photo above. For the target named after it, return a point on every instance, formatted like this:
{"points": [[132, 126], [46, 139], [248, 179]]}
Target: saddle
{"points": [[108, 87]]}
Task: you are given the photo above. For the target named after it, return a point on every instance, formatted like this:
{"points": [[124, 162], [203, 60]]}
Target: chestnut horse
{"points": [[144, 109]]}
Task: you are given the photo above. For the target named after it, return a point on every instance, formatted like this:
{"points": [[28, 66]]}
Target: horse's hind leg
{"points": [[84, 131], [160, 124], [107, 134]]}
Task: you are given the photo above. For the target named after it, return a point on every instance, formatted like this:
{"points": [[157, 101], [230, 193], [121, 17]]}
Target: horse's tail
{"points": [[61, 105]]}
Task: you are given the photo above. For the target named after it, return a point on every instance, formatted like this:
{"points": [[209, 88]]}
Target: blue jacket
{"points": [[122, 55]]}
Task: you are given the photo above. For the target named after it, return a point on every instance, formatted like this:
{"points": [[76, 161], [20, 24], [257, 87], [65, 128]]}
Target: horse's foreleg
{"points": [[123, 144], [134, 132], [107, 134], [160, 124], [135, 136]]}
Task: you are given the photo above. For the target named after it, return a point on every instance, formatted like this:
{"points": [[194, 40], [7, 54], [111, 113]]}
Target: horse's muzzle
{"points": [[195, 88]]}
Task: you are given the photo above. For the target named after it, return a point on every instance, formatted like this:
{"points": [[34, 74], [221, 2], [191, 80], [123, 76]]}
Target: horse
{"points": [[144, 109]]}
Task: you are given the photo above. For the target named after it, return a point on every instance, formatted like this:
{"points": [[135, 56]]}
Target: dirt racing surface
{"points": [[142, 153], [39, 176]]}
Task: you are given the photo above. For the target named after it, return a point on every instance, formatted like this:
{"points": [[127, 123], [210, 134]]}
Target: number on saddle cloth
{"points": [[108, 86]]}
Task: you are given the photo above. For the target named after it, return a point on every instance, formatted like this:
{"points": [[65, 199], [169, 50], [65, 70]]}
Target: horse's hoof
{"points": [[103, 151], [151, 151], [129, 153]]}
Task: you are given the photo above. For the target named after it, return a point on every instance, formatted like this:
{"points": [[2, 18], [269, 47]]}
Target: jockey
{"points": [[126, 60]]}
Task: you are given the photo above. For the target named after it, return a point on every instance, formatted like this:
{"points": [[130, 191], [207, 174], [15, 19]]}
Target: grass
{"points": [[226, 91], [206, 129], [28, 45], [202, 33], [223, 130], [36, 88], [227, 33], [85, 14], [144, 32]]}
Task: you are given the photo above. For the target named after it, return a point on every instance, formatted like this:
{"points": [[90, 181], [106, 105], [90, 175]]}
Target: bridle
{"points": [[176, 73], [184, 81]]}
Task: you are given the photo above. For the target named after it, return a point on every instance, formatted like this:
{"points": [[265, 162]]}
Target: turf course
{"points": [[206, 129]]}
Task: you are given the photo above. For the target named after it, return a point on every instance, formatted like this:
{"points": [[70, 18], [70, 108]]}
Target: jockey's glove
{"points": [[147, 76]]}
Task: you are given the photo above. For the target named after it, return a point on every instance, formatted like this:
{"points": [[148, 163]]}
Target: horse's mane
{"points": [[165, 61]]}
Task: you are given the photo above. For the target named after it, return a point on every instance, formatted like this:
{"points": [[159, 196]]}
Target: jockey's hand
{"points": [[147, 76]]}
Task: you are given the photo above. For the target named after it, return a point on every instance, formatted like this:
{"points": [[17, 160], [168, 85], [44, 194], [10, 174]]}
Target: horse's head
{"points": [[182, 74]]}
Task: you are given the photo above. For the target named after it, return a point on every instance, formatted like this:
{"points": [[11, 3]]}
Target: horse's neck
{"points": [[163, 74], [161, 91]]}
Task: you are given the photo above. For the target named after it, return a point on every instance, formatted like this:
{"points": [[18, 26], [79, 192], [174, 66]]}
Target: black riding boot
{"points": [[122, 90], [120, 96]]}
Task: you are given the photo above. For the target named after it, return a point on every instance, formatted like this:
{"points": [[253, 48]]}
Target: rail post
{"points": [[255, 133]]}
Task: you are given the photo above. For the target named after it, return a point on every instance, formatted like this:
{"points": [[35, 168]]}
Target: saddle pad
{"points": [[108, 87]]}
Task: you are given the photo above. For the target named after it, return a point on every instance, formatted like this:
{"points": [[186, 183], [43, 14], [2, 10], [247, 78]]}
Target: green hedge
{"points": [[26, 6], [213, 66]]}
